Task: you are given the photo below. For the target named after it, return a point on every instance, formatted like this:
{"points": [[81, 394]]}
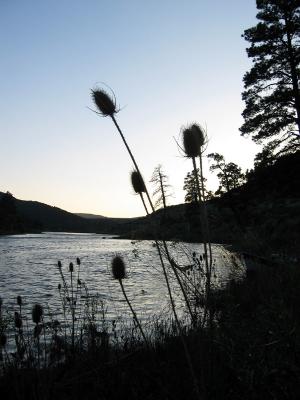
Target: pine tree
{"points": [[229, 174], [190, 187], [272, 112]]}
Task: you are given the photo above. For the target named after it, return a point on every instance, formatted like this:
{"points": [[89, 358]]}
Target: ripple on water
{"points": [[28, 267]]}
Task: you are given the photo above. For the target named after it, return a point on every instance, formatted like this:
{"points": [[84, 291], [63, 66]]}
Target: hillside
{"points": [[33, 216], [265, 209], [263, 214]]}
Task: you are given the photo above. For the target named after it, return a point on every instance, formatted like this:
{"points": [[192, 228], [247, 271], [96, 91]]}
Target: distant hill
{"points": [[33, 216], [89, 216]]}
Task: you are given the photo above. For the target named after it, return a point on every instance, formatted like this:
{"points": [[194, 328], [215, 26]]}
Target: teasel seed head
{"points": [[104, 102], [199, 133], [19, 300], [78, 262], [59, 286], [190, 143], [18, 320], [118, 268], [59, 264], [71, 267], [137, 182], [37, 313]]}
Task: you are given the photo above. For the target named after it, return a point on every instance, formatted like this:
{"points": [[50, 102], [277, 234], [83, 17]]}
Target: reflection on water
{"points": [[28, 265]]}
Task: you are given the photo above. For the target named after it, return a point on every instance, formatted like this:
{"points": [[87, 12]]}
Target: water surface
{"points": [[28, 265]]}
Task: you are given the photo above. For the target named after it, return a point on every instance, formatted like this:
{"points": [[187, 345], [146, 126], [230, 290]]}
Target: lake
{"points": [[28, 265]]}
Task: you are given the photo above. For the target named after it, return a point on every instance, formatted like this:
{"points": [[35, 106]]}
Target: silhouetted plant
{"points": [[165, 247], [193, 139], [138, 185], [107, 107], [99, 94], [119, 272]]}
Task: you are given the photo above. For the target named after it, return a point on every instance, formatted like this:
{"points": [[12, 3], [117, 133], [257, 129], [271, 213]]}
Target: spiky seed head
{"points": [[37, 313], [71, 267], [59, 286], [137, 182], [18, 320], [104, 102], [191, 144], [1, 302], [19, 300], [3, 340], [59, 264], [118, 268], [78, 262], [199, 133]]}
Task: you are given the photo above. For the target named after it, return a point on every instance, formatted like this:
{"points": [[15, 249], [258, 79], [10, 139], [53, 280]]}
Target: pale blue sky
{"points": [[169, 63]]}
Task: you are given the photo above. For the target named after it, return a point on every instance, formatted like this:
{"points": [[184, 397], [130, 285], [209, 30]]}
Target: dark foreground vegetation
{"points": [[249, 350]]}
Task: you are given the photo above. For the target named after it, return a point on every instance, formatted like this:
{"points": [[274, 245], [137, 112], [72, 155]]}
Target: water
{"points": [[28, 265]]}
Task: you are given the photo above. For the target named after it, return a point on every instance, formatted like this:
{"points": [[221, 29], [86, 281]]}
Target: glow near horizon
{"points": [[169, 64]]}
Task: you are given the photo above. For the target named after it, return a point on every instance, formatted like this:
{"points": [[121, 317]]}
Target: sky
{"points": [[169, 63]]}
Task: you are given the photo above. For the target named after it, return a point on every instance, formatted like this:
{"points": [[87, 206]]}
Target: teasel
{"points": [[193, 139], [104, 102], [78, 293], [72, 305], [18, 320], [19, 301], [201, 135], [191, 142], [71, 267], [139, 186], [65, 286], [118, 269], [112, 115], [106, 105], [37, 313], [96, 95]]}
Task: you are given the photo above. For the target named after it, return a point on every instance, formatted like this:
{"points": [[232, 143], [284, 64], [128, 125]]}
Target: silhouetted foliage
{"points": [[190, 187], [230, 174], [272, 112]]}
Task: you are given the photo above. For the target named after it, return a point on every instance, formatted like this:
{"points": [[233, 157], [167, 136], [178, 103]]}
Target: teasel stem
{"points": [[204, 233], [78, 289], [178, 324], [133, 313], [143, 201], [205, 217], [72, 311], [205, 213], [132, 158]]}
